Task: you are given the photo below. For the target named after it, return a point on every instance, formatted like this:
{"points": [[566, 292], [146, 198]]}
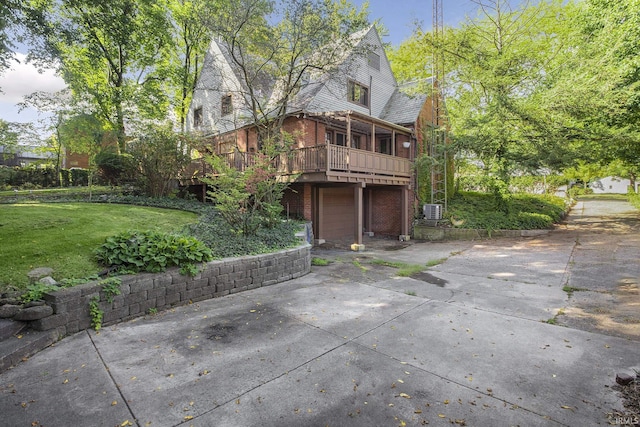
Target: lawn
{"points": [[63, 235]]}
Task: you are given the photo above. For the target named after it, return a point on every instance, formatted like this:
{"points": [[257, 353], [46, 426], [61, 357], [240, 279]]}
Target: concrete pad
{"points": [[528, 261], [345, 310], [526, 300], [557, 373], [357, 386], [186, 362], [423, 252], [66, 384]]}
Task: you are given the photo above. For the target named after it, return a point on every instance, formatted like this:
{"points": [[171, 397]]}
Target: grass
{"points": [[571, 289], [63, 235], [319, 261], [434, 262], [404, 269]]}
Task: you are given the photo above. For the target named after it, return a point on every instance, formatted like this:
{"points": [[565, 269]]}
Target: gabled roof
{"points": [[263, 81], [405, 105], [319, 91]]}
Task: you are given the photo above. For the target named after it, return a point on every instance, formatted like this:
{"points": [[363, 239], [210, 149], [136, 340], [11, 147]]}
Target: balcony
{"points": [[325, 163]]}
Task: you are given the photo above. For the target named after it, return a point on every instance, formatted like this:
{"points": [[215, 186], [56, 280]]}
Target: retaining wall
{"points": [[141, 292]]}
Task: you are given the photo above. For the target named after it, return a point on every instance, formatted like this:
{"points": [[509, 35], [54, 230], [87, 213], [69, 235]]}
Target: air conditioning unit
{"points": [[432, 212]]}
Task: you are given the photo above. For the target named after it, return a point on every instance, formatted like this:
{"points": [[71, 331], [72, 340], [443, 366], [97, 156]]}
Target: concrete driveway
{"points": [[352, 344]]}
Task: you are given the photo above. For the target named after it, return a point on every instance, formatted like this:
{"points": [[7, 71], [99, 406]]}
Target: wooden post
{"points": [[359, 212], [373, 137], [393, 142], [404, 213]]}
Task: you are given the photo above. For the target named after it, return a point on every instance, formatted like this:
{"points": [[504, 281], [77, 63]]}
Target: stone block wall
{"points": [[141, 292]]}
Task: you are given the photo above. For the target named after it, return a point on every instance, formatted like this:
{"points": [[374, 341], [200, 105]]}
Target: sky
{"points": [[398, 16]]}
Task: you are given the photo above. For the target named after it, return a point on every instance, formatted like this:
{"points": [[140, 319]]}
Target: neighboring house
{"points": [[356, 136], [23, 155], [611, 184]]}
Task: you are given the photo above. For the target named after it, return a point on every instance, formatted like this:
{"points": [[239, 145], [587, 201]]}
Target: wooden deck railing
{"points": [[321, 158]]}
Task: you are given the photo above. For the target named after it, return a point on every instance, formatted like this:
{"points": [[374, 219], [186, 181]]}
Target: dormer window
{"points": [[197, 117], [226, 106], [358, 93]]}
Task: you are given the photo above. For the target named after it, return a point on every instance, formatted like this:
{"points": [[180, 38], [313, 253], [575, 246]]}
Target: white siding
{"points": [[610, 184], [216, 80], [381, 84]]}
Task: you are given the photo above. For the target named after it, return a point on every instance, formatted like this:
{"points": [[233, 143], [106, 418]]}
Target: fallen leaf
{"points": [[417, 411], [134, 378], [114, 403], [446, 402], [65, 381], [607, 346], [567, 407], [405, 395], [188, 417], [252, 311], [126, 423], [441, 415]]}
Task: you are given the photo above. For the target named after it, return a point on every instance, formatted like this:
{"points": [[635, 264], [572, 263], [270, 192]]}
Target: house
{"points": [[357, 133], [24, 155], [611, 184]]}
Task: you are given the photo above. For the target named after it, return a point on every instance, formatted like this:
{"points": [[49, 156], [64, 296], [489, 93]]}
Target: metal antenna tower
{"points": [[437, 147]]}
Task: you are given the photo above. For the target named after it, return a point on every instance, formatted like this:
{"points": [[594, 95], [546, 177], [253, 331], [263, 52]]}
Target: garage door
{"points": [[337, 213]]}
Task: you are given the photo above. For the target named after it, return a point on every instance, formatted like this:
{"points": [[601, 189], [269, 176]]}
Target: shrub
{"points": [[159, 155], [524, 211], [151, 251], [114, 168]]}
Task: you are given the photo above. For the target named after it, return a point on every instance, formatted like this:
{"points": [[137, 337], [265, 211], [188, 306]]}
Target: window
{"points": [[358, 93], [374, 61], [341, 139], [197, 117], [328, 137], [355, 141], [385, 145], [226, 105]]}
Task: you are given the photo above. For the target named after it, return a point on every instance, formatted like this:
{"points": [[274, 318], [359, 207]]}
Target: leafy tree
{"points": [[7, 21], [584, 172], [247, 199], [56, 107], [8, 136], [159, 154], [496, 67], [191, 38], [108, 53], [309, 37], [597, 88]]}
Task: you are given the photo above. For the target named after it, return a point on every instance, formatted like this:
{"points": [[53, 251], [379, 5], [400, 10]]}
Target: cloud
{"points": [[23, 79]]}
